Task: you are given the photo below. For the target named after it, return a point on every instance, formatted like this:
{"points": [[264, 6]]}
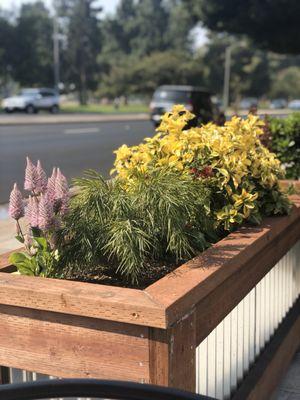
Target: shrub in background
{"points": [[285, 142]]}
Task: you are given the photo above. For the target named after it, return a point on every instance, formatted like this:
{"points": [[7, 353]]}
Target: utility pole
{"points": [[226, 87], [56, 59]]}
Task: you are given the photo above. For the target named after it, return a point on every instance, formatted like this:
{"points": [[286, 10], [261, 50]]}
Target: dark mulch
{"points": [[151, 273]]}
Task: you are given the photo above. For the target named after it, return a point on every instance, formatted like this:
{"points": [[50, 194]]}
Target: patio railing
{"points": [[225, 356]]}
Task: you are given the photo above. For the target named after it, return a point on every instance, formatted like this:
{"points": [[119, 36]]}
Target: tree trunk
{"points": [[83, 96]]}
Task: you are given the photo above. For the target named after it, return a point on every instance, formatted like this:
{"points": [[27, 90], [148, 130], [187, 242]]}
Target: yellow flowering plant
{"points": [[172, 196], [230, 160]]}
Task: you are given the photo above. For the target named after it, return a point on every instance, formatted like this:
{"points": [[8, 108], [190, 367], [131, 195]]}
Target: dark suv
{"points": [[195, 99]]}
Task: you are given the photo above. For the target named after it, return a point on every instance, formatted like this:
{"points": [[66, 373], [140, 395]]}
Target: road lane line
{"points": [[78, 131]]}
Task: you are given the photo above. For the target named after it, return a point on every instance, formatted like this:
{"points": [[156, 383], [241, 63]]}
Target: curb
{"points": [[69, 119]]}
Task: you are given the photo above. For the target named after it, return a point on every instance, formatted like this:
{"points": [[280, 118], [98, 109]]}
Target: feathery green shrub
{"points": [[285, 142], [163, 216]]}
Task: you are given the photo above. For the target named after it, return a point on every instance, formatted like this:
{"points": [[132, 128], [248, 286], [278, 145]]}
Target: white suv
{"points": [[33, 100]]}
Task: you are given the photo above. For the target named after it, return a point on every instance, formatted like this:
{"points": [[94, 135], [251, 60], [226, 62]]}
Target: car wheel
{"points": [[54, 109], [8, 110], [30, 109]]}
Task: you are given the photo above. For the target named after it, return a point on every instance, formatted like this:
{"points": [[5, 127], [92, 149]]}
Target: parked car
{"points": [[248, 102], [294, 104], [33, 100], [195, 99], [278, 103]]}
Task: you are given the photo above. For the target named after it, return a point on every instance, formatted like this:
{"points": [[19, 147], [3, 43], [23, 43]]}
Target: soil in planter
{"points": [[152, 272]]}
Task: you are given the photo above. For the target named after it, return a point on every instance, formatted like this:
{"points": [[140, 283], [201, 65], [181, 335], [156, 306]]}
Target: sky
{"points": [[108, 5]]}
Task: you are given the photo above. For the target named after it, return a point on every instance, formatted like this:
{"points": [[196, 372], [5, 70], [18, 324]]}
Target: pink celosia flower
{"points": [[31, 177], [41, 178], [61, 185], [16, 205], [51, 186], [32, 212], [45, 213], [62, 194]]}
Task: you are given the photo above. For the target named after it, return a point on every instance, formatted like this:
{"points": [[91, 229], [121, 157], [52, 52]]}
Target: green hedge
{"points": [[285, 143]]}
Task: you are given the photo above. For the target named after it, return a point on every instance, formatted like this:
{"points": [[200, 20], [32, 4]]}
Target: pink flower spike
{"points": [[41, 178], [32, 212], [61, 186], [45, 213], [51, 186], [16, 205], [62, 193], [31, 178]]}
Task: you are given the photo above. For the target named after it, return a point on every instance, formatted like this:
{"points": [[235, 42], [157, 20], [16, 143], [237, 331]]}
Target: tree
{"points": [[272, 24], [6, 51], [250, 69], [32, 47], [83, 44], [287, 83], [142, 76]]}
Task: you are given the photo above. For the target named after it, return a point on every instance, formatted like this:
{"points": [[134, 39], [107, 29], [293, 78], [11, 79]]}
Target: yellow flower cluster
{"points": [[230, 156]]}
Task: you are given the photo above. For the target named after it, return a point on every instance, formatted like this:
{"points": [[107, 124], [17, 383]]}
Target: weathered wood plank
{"points": [[78, 298], [173, 354], [164, 302], [71, 346]]}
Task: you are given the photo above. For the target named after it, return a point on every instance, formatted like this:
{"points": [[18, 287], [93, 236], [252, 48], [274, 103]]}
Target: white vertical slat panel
{"points": [[211, 364], [202, 367], [233, 354], [227, 356], [272, 301], [280, 291], [267, 307], [276, 299], [16, 375], [263, 313], [219, 360], [252, 326], [246, 327], [291, 277], [257, 319], [284, 284], [240, 343]]}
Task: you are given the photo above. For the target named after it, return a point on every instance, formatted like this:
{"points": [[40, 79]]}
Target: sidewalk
{"points": [[7, 232], [24, 119]]}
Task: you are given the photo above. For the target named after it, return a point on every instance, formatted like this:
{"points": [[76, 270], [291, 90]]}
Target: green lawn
{"points": [[104, 109]]}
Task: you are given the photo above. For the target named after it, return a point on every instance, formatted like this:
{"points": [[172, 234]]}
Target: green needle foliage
{"points": [[120, 228]]}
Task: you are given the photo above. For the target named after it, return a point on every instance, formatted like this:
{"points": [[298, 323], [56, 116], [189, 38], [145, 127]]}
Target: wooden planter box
{"points": [[74, 329]]}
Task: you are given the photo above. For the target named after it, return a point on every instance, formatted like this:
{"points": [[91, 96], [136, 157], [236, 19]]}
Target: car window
{"points": [[29, 92], [176, 96], [45, 93]]}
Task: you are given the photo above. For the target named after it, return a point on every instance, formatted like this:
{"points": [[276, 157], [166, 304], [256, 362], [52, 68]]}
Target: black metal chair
{"points": [[94, 388]]}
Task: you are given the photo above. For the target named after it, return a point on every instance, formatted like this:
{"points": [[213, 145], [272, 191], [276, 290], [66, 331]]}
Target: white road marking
{"points": [[78, 131]]}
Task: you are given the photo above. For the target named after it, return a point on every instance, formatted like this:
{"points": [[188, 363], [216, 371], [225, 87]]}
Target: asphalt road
{"points": [[72, 147]]}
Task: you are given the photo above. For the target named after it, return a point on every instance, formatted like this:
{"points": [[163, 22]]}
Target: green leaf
{"points": [[23, 262], [42, 243], [16, 258]]}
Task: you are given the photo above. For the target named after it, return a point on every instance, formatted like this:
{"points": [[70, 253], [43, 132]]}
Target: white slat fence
{"points": [[226, 355]]}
